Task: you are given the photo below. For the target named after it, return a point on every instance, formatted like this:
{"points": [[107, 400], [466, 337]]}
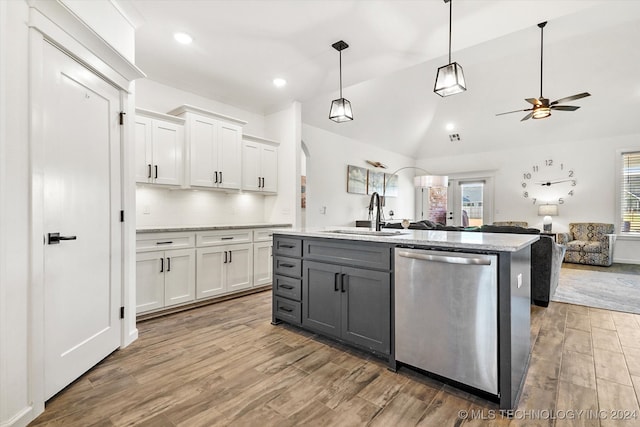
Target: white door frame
{"points": [[120, 73], [488, 194]]}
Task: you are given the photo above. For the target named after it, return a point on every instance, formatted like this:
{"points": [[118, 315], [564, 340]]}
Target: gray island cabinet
{"points": [[343, 284]]}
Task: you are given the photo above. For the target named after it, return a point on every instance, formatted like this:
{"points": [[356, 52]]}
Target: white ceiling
{"points": [[389, 69]]}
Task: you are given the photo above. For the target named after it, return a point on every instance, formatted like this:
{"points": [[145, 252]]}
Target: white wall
{"points": [[14, 212], [329, 155], [594, 162]]}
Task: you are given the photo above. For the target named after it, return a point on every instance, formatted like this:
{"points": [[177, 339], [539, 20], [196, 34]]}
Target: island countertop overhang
{"points": [[469, 240]]}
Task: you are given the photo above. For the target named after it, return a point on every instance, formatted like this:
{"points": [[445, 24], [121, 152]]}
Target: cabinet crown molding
{"points": [[254, 138], [197, 110], [161, 116]]}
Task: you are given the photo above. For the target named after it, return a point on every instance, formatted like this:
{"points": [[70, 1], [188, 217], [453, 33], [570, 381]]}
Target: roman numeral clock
{"points": [[548, 182]]}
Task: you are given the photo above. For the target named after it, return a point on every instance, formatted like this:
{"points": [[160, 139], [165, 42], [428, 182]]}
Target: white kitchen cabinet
{"points": [[214, 148], [159, 146], [262, 264], [223, 269], [164, 278], [259, 164]]}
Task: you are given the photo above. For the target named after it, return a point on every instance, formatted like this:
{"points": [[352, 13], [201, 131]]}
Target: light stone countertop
{"points": [[165, 229], [500, 242]]}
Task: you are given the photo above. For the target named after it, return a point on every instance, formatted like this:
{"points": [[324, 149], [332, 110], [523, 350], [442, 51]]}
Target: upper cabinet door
{"points": [[229, 155], [168, 143], [251, 179], [203, 141], [143, 160], [269, 160]]}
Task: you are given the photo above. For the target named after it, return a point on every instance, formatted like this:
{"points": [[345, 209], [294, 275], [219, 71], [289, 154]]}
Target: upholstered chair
{"points": [[512, 223], [588, 243]]}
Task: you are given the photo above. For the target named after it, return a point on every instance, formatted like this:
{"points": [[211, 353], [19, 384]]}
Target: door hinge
{"points": [[122, 312], [121, 216], [122, 113]]}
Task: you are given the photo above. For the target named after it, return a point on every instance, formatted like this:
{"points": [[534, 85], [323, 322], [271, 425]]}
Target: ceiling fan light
{"points": [[541, 112], [449, 80], [340, 110]]}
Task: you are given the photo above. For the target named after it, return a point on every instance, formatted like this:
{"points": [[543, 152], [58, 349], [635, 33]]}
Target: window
{"points": [[630, 193]]}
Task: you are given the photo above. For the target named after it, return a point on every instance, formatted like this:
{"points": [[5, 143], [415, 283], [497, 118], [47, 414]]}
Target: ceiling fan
{"points": [[541, 106]]}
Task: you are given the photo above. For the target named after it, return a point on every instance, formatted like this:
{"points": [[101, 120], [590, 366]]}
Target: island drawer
{"points": [[288, 266], [288, 287], [287, 247], [357, 254], [288, 310]]}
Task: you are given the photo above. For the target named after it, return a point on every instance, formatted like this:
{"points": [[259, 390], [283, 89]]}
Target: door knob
{"points": [[54, 238]]}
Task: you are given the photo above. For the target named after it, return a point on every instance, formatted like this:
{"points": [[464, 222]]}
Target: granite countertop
{"points": [[501, 242], [164, 229]]}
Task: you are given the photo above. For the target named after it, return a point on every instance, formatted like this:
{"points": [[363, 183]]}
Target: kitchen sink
{"points": [[367, 232]]}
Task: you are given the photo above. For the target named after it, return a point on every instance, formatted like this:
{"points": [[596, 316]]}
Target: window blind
{"points": [[630, 193]]}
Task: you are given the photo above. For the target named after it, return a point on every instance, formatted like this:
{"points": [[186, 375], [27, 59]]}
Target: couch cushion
{"points": [[585, 246], [507, 229]]}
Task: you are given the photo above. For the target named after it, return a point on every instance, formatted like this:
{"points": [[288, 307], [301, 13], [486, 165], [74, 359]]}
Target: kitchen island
{"points": [[364, 288]]}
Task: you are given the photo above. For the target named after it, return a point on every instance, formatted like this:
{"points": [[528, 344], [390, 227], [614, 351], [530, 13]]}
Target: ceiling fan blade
{"points": [[534, 101], [564, 107], [515, 111], [571, 98], [527, 117]]}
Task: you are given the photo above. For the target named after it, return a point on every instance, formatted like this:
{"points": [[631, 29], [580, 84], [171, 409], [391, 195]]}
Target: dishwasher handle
{"points": [[445, 258]]}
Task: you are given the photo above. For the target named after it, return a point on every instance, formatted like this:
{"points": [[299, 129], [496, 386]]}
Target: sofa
{"points": [[546, 255], [588, 243]]}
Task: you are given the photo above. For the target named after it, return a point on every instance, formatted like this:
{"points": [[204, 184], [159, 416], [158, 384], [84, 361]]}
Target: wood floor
{"points": [[225, 364]]}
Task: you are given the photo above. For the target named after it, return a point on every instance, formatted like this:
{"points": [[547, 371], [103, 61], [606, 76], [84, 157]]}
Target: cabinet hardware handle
{"points": [[343, 281], [149, 165], [168, 264], [286, 286], [168, 242], [288, 310], [216, 179], [161, 265], [226, 238], [225, 257], [258, 182], [263, 182], [54, 238], [220, 177], [335, 282], [287, 265], [230, 255], [156, 167], [288, 246]]}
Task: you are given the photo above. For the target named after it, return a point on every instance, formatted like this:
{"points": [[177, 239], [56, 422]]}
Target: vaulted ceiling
{"points": [[389, 69]]}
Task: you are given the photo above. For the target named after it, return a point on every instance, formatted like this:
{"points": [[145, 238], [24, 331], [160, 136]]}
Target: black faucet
{"points": [[375, 199]]}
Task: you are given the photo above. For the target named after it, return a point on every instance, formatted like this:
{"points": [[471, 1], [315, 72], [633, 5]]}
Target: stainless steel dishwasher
{"points": [[446, 318]]}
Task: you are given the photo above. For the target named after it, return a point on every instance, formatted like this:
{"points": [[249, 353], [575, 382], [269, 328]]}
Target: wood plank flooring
{"points": [[226, 365]]}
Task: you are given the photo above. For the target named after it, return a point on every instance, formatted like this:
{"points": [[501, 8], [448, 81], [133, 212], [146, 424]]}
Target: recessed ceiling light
{"points": [[450, 126], [279, 82], [183, 38]]}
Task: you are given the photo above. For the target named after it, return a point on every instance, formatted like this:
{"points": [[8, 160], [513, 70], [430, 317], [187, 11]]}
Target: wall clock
{"points": [[548, 181]]}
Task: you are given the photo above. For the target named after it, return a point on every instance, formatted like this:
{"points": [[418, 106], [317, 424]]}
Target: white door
{"points": [[469, 202], [168, 141], [149, 281], [81, 186], [144, 160], [251, 166], [229, 155], [269, 160], [239, 267], [210, 272], [203, 142], [262, 264], [179, 279]]}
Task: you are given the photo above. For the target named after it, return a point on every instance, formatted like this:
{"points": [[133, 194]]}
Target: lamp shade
{"points": [[340, 110], [450, 80], [548, 210], [426, 181]]}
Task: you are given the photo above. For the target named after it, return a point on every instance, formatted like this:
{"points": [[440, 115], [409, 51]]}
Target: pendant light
{"points": [[340, 108], [450, 78]]}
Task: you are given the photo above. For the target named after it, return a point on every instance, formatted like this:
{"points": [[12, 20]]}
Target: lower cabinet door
{"points": [[262, 264], [179, 276], [239, 266], [149, 281], [321, 297], [366, 308], [210, 272]]}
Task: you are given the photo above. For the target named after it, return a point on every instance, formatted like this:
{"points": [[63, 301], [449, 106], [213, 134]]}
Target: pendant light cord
{"points": [[450, 12], [340, 74], [541, 54]]}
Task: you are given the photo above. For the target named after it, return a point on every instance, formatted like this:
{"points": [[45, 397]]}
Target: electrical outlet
{"points": [[146, 210], [323, 210]]}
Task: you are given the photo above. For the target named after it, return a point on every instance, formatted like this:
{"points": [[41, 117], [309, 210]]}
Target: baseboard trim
{"points": [[197, 304], [21, 419]]}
